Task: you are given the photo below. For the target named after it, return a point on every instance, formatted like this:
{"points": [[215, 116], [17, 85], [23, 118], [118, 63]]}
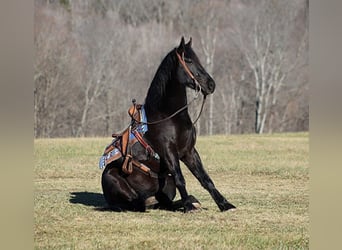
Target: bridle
{"points": [[198, 89], [187, 70]]}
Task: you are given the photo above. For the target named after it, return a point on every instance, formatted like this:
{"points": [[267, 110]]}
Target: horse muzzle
{"points": [[208, 88]]}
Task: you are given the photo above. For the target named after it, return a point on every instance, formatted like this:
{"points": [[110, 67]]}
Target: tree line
{"points": [[93, 57]]}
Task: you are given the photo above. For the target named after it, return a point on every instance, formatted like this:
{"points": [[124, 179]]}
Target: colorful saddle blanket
{"points": [[117, 148]]}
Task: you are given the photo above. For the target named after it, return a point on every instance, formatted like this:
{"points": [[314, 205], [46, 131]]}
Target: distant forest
{"points": [[92, 57]]}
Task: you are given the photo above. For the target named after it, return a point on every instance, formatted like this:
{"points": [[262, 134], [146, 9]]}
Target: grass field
{"points": [[265, 176]]}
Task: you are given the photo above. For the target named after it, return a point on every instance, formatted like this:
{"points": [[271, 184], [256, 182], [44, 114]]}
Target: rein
{"points": [[197, 89], [175, 113]]}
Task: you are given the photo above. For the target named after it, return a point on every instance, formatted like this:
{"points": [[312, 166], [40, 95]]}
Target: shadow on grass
{"points": [[97, 201], [90, 199]]}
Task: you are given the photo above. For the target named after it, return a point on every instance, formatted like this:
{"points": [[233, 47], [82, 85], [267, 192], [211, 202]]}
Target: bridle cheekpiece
{"points": [[181, 60]]}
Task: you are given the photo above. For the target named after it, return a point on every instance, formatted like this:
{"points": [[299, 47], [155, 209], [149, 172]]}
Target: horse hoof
{"points": [[151, 201], [192, 204], [192, 210], [226, 206], [197, 205], [192, 207]]}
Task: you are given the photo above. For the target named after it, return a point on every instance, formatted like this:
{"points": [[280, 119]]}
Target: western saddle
{"points": [[122, 143]]}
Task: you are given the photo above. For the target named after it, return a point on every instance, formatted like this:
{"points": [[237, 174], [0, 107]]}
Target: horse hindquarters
{"points": [[118, 193]]}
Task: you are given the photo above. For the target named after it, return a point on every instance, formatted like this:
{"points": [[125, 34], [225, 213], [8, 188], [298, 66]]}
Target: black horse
{"points": [[172, 135]]}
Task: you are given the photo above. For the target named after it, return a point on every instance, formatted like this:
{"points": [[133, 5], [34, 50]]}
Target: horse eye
{"points": [[187, 60]]}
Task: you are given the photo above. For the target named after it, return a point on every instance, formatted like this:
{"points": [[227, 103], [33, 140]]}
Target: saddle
{"points": [[122, 143]]}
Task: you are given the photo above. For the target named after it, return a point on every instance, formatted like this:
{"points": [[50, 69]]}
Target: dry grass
{"points": [[265, 176]]}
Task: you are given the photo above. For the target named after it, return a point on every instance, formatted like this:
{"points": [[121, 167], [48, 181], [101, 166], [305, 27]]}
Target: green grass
{"points": [[265, 176]]}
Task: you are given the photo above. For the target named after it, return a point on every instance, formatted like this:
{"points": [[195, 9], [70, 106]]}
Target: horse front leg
{"points": [[193, 161], [172, 164]]}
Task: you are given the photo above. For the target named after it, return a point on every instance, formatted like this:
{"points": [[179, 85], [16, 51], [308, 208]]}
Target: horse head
{"points": [[190, 71]]}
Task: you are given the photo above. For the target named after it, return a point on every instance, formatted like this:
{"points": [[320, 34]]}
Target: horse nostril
{"points": [[211, 86]]}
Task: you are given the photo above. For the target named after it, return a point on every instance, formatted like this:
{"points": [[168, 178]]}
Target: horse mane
{"points": [[157, 88]]}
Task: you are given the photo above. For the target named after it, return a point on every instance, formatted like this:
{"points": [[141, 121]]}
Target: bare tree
{"points": [[208, 38], [203, 20], [93, 57], [263, 33], [53, 77]]}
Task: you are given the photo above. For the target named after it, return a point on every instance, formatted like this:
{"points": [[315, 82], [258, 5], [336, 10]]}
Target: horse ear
{"points": [[189, 44], [181, 47]]}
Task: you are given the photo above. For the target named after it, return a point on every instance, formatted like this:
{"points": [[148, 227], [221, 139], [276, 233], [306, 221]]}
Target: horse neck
{"points": [[166, 94], [173, 99]]}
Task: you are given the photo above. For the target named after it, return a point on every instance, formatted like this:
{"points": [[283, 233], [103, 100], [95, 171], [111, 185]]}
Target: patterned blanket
{"points": [[113, 152]]}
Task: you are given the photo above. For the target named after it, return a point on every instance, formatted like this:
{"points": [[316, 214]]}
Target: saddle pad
{"points": [[109, 157], [115, 153]]}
